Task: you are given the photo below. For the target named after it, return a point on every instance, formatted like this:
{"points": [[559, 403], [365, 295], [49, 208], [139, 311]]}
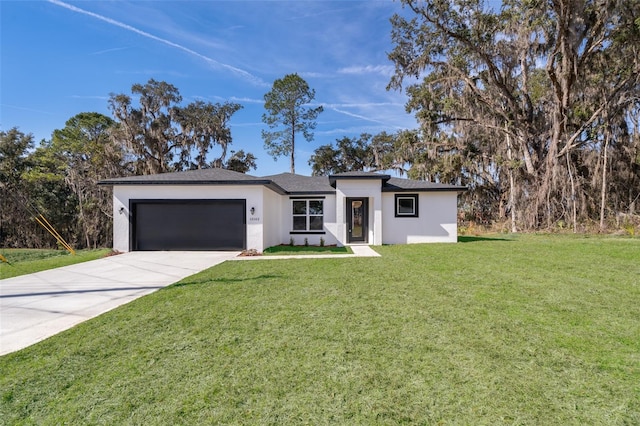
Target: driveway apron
{"points": [[36, 306]]}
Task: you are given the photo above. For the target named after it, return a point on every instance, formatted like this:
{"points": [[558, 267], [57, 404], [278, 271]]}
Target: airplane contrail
{"points": [[242, 73], [362, 117]]}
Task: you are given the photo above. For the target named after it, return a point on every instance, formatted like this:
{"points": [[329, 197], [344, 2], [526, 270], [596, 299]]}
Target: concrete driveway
{"points": [[36, 306]]}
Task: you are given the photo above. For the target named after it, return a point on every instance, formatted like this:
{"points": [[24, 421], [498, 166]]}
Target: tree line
{"points": [[59, 178], [535, 106]]}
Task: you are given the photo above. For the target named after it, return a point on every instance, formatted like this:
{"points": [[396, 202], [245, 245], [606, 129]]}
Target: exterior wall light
{"points": [[121, 211], [253, 211]]}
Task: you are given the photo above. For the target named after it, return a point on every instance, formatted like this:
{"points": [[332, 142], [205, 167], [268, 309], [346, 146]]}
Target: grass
{"points": [[28, 261], [524, 330], [287, 249]]}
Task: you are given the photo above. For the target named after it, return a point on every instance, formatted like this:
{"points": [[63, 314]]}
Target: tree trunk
{"points": [[573, 195], [293, 147], [603, 193], [512, 186]]}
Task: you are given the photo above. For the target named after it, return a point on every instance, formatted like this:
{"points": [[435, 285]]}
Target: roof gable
{"points": [[298, 184]]}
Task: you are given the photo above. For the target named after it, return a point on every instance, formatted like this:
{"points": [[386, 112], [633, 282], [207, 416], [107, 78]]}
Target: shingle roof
{"points": [[297, 184], [283, 183], [199, 177], [359, 175], [403, 185]]}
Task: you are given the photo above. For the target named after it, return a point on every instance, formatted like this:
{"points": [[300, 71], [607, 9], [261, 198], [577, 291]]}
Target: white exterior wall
{"points": [[437, 221], [254, 196], [329, 221], [272, 222], [365, 188]]}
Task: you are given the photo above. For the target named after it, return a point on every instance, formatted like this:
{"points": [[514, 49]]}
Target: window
{"points": [[307, 215], [406, 205]]}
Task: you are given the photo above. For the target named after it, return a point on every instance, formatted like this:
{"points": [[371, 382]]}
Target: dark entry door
{"points": [[188, 225], [357, 220]]}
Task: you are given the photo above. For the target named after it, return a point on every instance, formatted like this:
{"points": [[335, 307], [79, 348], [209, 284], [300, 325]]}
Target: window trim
{"points": [[307, 215], [396, 205]]}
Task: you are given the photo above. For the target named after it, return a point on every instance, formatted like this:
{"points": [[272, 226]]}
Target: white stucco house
{"points": [[217, 209]]}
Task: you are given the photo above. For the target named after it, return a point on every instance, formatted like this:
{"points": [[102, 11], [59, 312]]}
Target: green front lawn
{"points": [[531, 330], [28, 261]]}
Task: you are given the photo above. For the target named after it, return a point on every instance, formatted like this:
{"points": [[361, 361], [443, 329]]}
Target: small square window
{"points": [[315, 223], [315, 207], [406, 205], [299, 223], [299, 207]]}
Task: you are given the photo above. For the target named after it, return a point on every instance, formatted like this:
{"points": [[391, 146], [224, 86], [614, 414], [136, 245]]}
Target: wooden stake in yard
{"points": [[42, 221], [46, 225]]}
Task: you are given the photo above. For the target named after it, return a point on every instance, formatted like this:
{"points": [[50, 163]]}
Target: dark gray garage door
{"points": [[188, 225]]}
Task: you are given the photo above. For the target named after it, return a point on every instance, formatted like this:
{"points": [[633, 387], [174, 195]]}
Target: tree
{"points": [[241, 162], [14, 147], [204, 125], [14, 162], [162, 136], [26, 192], [350, 154], [509, 98], [288, 111], [400, 152], [147, 132], [326, 161], [383, 151], [47, 193], [86, 154]]}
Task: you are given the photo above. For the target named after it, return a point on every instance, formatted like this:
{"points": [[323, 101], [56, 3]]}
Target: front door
{"points": [[357, 220]]}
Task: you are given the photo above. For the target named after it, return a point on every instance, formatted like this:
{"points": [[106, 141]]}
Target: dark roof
{"points": [[283, 183], [404, 185], [357, 175], [297, 184], [189, 177]]}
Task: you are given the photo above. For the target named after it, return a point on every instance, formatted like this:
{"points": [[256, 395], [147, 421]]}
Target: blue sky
{"points": [[62, 58]]}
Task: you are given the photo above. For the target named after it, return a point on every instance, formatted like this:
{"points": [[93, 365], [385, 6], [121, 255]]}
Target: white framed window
{"points": [[308, 214], [406, 205]]}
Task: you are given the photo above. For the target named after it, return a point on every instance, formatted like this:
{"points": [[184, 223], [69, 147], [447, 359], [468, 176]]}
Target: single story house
{"points": [[217, 209]]}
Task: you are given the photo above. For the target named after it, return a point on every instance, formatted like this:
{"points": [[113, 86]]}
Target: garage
{"points": [[188, 224]]}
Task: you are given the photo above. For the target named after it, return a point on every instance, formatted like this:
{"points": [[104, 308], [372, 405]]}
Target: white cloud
{"points": [[313, 74], [385, 70], [247, 100]]}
